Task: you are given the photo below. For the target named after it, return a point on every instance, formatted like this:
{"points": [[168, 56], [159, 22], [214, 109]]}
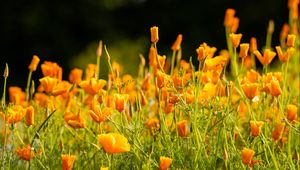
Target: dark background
{"points": [[67, 32]]}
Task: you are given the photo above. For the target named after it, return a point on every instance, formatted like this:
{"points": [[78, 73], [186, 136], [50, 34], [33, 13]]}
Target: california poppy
{"points": [[67, 161], [114, 143], [164, 163]]}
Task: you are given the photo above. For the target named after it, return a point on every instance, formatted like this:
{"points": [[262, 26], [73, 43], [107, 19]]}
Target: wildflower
{"points": [[164, 163], [250, 90], [51, 69], [26, 153], [114, 143], [284, 57], [92, 86], [256, 127], [75, 76], [253, 44], [14, 114], [201, 53], [67, 161], [278, 131], [252, 76], [284, 31], [235, 39], [182, 128], [16, 95], [274, 88], [100, 115], [29, 115], [75, 121], [152, 124], [244, 50], [229, 17], [247, 156], [104, 168], [161, 79], [48, 83], [177, 43], [267, 58], [154, 34], [292, 111], [34, 63], [235, 25], [90, 71], [120, 101], [290, 40]]}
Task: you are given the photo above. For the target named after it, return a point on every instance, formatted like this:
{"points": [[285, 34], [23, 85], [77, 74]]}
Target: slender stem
{"points": [[4, 109], [28, 85], [173, 62], [98, 68], [4, 94]]}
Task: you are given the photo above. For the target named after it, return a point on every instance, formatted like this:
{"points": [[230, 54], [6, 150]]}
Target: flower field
{"points": [[235, 108]]}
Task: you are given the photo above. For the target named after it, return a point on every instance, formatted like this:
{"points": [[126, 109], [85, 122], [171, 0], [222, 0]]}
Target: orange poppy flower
{"points": [[15, 114], [256, 127], [292, 111], [75, 121], [90, 71], [152, 124], [177, 43], [229, 17], [274, 88], [267, 58], [114, 143], [120, 101], [92, 86], [100, 115], [290, 42], [48, 83], [252, 76], [67, 161], [284, 57], [201, 53], [182, 128], [51, 69], [29, 115], [244, 47], [164, 163], [16, 95], [250, 89], [75, 75], [34, 63], [154, 34], [284, 31], [235, 25], [26, 153], [278, 131], [253, 44], [235, 39], [247, 156]]}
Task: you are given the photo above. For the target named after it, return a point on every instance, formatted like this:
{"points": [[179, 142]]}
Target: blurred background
{"points": [[68, 32]]}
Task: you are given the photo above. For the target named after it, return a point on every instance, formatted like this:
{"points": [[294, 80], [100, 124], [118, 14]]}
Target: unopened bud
{"points": [[99, 49], [6, 71]]}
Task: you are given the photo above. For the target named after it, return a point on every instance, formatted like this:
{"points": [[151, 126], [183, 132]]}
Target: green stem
{"points": [[98, 68], [28, 85], [173, 62]]}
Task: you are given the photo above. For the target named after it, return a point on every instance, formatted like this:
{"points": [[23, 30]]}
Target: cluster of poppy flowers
{"points": [[163, 90]]}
